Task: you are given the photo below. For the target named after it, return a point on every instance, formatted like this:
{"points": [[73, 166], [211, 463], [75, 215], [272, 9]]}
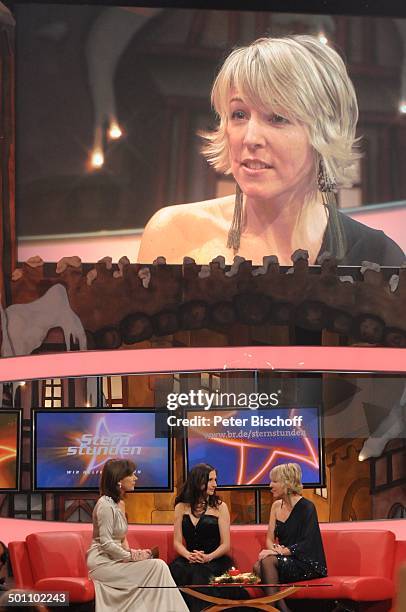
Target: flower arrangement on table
{"points": [[234, 576]]}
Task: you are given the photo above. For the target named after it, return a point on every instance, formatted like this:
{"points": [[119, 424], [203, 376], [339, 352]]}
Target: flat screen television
{"points": [[9, 450], [70, 448], [104, 91], [85, 91], [244, 445]]}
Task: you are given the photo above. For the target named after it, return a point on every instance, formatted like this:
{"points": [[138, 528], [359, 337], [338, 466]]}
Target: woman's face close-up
{"points": [[128, 482], [277, 488], [212, 483], [271, 156]]}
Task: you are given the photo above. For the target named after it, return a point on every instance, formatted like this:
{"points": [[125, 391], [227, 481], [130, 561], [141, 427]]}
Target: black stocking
{"points": [[267, 569]]}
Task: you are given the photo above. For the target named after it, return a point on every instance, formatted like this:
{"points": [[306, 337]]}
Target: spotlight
{"points": [[115, 131], [402, 107], [322, 38], [97, 159]]}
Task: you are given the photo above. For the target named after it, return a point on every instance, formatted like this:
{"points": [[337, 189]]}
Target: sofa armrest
{"points": [[21, 566]]}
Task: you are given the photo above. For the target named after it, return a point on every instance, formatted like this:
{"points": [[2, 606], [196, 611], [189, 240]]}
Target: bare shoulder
{"points": [[181, 508], [276, 506], [179, 215], [177, 231], [223, 509]]}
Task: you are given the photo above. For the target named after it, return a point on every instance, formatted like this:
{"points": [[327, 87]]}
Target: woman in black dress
{"points": [[294, 546], [201, 533]]}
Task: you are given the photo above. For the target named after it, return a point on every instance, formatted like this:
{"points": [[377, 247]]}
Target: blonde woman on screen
{"points": [[287, 115]]}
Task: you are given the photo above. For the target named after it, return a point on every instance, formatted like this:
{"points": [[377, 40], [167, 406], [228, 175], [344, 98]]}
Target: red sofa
{"points": [[360, 562]]}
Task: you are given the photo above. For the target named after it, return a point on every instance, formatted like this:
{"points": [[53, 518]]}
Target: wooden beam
{"points": [[197, 28], [8, 244]]}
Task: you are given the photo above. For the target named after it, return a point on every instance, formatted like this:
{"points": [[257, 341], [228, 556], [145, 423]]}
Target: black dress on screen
{"points": [[301, 534], [363, 243]]}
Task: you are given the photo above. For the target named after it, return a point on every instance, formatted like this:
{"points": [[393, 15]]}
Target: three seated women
{"points": [[128, 579]]}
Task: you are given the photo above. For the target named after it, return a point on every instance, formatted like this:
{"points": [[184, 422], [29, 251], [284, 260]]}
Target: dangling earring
{"points": [[327, 186], [234, 233]]}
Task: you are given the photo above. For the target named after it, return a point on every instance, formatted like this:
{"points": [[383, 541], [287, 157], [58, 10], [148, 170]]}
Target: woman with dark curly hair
{"points": [[201, 533]]}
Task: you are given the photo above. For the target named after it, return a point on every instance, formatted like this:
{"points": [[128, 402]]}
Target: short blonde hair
{"points": [[305, 80], [290, 474]]}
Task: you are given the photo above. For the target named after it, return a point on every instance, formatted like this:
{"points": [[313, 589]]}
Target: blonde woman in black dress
{"points": [[294, 548]]}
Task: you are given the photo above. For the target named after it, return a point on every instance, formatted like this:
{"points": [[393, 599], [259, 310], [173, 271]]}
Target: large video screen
{"points": [[90, 163], [9, 449], [71, 447], [244, 445], [104, 91]]}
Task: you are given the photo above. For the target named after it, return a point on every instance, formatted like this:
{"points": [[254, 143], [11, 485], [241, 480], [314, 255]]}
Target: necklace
{"points": [[200, 508]]}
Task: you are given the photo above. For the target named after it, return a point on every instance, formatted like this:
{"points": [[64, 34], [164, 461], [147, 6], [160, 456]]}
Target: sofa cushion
{"points": [[358, 588], [56, 553], [368, 588], [80, 589], [245, 547], [359, 553], [149, 538]]}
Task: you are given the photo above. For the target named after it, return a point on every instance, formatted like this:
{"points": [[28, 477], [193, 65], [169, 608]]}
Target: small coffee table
{"points": [[258, 603]]}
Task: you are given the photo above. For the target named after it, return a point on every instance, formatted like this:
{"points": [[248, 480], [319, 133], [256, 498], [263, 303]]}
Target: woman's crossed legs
{"points": [[267, 569]]}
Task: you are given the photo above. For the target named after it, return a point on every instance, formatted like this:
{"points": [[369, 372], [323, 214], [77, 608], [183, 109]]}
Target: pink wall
{"points": [[90, 248], [391, 220]]}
